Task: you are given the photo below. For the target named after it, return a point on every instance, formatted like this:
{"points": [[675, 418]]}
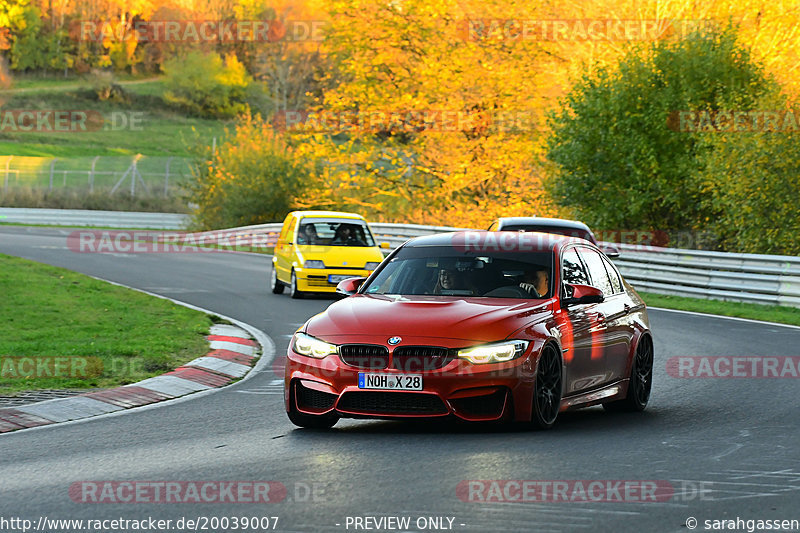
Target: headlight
{"points": [[494, 353], [314, 264], [308, 345], [372, 265]]}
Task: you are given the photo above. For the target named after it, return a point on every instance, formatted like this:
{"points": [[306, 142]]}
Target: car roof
{"points": [[545, 222], [488, 239], [326, 214]]}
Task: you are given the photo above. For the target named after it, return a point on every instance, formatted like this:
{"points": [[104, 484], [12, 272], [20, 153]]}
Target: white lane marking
{"points": [[759, 322], [274, 388], [176, 290]]}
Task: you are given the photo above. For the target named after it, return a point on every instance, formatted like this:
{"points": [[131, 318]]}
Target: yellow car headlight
{"points": [[314, 264], [494, 353], [312, 347]]}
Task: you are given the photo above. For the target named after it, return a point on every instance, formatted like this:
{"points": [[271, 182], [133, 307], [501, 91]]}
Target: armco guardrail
{"points": [[106, 219], [397, 234], [766, 279]]}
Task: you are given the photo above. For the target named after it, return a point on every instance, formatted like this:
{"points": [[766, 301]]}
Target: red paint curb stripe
{"points": [[129, 396], [23, 419], [6, 426], [205, 377], [234, 357]]}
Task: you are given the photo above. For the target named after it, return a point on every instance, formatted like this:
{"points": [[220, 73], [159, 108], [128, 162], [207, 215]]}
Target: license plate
{"points": [[336, 278], [368, 380]]}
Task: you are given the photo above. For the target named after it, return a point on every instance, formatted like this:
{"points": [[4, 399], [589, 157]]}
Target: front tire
{"points": [[641, 381], [274, 283], [547, 390], [294, 292]]}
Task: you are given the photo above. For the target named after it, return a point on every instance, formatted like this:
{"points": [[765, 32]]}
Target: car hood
{"points": [[473, 319]]}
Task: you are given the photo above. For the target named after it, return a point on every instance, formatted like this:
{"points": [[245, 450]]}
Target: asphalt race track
{"points": [[728, 447]]}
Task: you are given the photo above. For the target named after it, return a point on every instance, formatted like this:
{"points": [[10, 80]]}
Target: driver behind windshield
{"points": [[345, 235], [536, 282]]}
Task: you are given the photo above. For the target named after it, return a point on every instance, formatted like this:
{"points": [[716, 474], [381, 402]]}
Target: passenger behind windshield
{"points": [[453, 282], [307, 235]]}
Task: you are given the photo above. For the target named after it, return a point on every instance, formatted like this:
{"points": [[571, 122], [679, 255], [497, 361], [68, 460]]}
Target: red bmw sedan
{"points": [[482, 326]]}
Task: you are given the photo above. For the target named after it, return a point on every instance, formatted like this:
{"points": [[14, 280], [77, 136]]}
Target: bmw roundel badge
{"points": [[395, 340]]}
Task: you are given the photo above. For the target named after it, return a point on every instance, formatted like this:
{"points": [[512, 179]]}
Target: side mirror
{"points": [[611, 251], [348, 287], [582, 294], [385, 245]]}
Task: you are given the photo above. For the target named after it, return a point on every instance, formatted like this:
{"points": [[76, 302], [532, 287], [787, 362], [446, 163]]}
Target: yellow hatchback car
{"points": [[318, 249]]}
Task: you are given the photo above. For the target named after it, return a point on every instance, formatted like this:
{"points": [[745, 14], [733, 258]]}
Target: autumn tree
{"points": [[412, 65]]}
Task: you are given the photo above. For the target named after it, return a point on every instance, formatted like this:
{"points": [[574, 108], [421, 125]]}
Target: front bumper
{"points": [[467, 391], [319, 279]]}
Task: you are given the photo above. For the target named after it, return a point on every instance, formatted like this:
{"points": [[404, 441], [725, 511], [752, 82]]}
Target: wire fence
{"points": [[133, 175]]}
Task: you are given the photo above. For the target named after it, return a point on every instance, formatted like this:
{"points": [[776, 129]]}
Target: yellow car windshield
{"points": [[334, 232]]}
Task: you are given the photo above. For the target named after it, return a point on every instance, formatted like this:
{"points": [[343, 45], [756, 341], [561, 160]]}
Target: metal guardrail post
{"points": [[91, 174], [166, 177], [52, 171], [8, 164]]}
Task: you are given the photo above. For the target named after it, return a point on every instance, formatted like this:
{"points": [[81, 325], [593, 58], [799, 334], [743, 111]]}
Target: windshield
{"points": [[334, 233], [439, 270]]}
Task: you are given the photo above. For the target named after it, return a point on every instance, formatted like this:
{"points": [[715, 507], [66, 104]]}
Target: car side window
{"points": [[573, 269], [616, 283], [597, 271]]}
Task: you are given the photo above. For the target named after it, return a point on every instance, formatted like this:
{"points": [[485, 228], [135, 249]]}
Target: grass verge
{"points": [[145, 124], [101, 335], [768, 313]]}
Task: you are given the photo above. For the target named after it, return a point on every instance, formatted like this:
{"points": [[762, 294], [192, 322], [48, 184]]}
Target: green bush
{"points": [[754, 183], [254, 177], [206, 85], [618, 163]]}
